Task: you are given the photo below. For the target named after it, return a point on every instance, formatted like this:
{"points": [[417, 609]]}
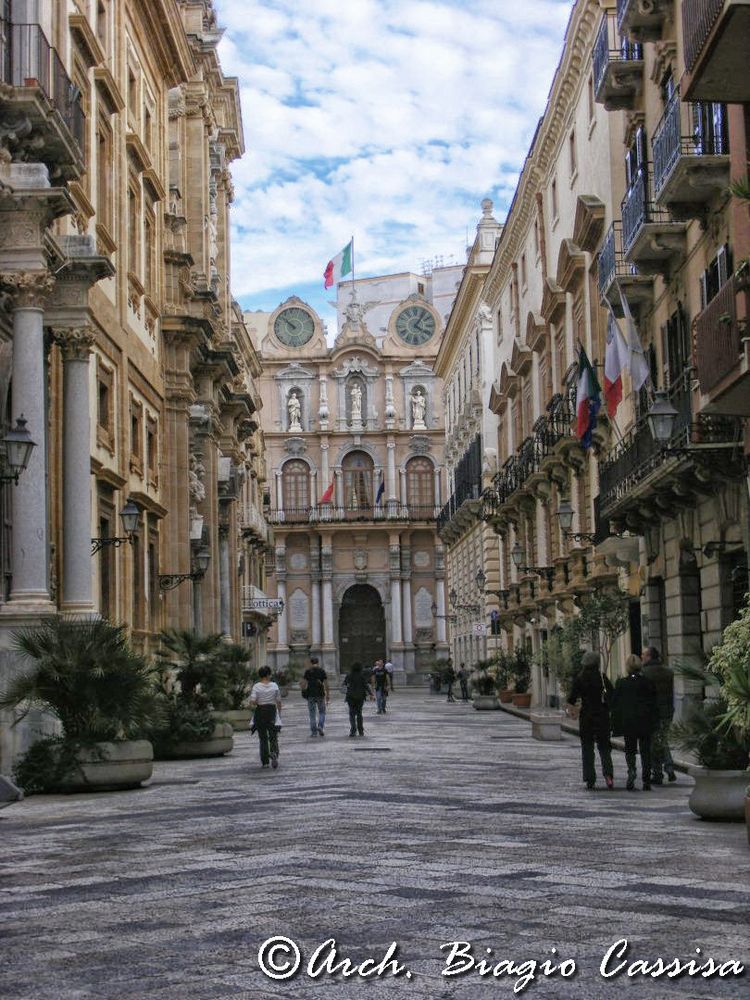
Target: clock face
{"points": [[294, 327], [415, 325]]}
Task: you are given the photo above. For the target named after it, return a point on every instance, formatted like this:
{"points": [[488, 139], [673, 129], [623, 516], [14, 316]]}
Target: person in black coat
{"points": [[594, 691], [635, 716], [357, 689]]}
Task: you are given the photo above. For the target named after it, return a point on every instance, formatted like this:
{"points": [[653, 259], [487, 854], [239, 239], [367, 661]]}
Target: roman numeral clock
{"points": [[415, 325]]}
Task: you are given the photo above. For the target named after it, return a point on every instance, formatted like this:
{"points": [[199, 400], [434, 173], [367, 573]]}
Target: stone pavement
{"points": [[443, 824]]}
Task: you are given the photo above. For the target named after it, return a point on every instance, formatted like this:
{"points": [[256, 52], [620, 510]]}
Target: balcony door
{"points": [[296, 482], [358, 472]]}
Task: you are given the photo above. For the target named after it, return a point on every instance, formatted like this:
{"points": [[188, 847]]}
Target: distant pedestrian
{"points": [[265, 699], [662, 677], [389, 671], [357, 690], [315, 681], [635, 716], [463, 680], [594, 691], [381, 682], [450, 680]]}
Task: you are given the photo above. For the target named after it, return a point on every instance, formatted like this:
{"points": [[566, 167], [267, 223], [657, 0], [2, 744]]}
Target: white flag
{"points": [[640, 372]]}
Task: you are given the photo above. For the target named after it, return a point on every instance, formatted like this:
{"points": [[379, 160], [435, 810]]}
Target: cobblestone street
{"points": [[442, 824]]}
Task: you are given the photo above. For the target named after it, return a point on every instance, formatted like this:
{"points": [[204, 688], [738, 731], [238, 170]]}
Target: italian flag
{"points": [[588, 399], [616, 359], [328, 495], [340, 266]]}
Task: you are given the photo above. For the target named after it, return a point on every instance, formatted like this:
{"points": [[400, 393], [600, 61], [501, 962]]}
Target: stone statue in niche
{"points": [[356, 397], [195, 479], [295, 412], [418, 408]]}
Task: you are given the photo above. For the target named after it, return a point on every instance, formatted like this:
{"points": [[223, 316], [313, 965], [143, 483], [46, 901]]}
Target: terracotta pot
{"points": [[505, 695], [111, 767], [485, 702], [718, 795], [221, 742], [522, 700]]}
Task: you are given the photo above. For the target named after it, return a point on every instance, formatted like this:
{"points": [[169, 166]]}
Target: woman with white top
{"points": [[265, 698]]}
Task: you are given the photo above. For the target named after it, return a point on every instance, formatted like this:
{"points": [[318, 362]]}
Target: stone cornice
{"points": [[461, 316], [548, 141]]}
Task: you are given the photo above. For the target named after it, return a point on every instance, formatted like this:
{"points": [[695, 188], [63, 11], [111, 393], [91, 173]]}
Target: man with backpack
{"points": [[357, 689], [314, 687], [381, 681]]}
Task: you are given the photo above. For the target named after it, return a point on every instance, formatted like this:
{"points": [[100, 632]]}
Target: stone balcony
{"points": [[716, 37], [618, 68], [642, 20]]}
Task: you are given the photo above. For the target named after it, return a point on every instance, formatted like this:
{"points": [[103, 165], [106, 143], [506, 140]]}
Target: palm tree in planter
{"points": [[192, 684], [103, 694], [520, 671], [238, 678]]}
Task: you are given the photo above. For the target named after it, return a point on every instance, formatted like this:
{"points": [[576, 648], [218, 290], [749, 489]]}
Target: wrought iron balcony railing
{"points": [[617, 65], [693, 130], [698, 18], [28, 60], [333, 513], [718, 337], [612, 265], [639, 208]]}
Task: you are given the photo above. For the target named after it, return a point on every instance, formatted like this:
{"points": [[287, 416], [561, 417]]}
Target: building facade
{"points": [[119, 341], [354, 440]]}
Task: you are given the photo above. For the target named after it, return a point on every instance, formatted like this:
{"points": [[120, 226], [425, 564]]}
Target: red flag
{"points": [[328, 495]]}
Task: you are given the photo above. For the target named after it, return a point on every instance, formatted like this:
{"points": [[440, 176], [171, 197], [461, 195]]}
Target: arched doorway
{"points": [[361, 627]]}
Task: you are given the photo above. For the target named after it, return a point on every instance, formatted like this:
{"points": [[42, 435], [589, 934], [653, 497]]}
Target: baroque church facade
{"points": [[354, 437]]}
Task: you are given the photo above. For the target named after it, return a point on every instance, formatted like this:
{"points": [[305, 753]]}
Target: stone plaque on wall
{"points": [[298, 604], [421, 560], [423, 608], [298, 561]]}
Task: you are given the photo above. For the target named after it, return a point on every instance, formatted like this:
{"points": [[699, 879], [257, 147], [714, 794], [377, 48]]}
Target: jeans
{"points": [[450, 691], [356, 724], [595, 734], [316, 708], [634, 742], [268, 734], [661, 755], [380, 699], [464, 691]]}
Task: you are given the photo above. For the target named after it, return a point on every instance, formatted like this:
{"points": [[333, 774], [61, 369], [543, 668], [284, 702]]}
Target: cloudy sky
{"points": [[388, 120]]}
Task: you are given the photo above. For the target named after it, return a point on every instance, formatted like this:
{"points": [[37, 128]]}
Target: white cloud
{"points": [[390, 119]]}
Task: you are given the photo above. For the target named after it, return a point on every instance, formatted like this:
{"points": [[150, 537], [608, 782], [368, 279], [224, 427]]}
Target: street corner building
{"points": [[354, 436], [623, 245], [120, 344]]}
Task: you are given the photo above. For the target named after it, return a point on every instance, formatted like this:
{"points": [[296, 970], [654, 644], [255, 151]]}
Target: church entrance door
{"points": [[361, 627]]}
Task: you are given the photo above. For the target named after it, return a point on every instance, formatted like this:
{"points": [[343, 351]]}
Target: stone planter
{"points": [[485, 702], [522, 700], [546, 726], [110, 767], [238, 718], [505, 696], [718, 795], [220, 743]]}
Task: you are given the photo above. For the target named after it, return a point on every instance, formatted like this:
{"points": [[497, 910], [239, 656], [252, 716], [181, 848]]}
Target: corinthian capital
{"points": [[75, 343], [29, 289]]}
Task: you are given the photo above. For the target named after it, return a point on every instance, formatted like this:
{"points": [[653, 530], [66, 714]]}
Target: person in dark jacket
{"points": [[463, 680], [594, 691], [635, 716], [357, 689], [450, 680], [662, 678]]}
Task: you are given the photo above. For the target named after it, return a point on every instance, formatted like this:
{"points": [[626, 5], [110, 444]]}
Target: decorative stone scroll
{"points": [[76, 343], [28, 288]]}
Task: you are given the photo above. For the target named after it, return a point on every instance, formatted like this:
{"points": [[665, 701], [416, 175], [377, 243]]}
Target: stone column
{"points": [[314, 497], [338, 492], [402, 484], [30, 589], [75, 346], [224, 583], [395, 568], [283, 630], [315, 590], [279, 494], [440, 601], [324, 470], [326, 569], [438, 499], [406, 609]]}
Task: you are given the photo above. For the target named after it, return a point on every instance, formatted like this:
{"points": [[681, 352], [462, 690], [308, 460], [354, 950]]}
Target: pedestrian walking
{"points": [[381, 681], [450, 680], [463, 680], [389, 671], [662, 677], [357, 690], [265, 699], [635, 716], [593, 690], [315, 688]]}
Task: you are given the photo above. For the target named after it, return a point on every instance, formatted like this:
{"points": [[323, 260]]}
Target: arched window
{"points": [[357, 468], [296, 481], [420, 485]]}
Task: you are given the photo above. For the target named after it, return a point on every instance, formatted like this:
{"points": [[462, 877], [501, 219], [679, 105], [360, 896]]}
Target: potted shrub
{"points": [[192, 684], [286, 674], [103, 694], [483, 683], [230, 700], [520, 668], [501, 665]]}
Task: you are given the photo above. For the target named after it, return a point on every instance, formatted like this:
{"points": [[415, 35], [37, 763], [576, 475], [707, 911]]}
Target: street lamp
{"points": [[130, 515], [661, 417], [168, 581], [565, 515], [517, 556], [453, 598], [448, 618], [18, 447]]}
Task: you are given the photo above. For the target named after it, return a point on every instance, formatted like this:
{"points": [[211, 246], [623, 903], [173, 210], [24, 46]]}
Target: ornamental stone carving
{"points": [[75, 344], [28, 288]]}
